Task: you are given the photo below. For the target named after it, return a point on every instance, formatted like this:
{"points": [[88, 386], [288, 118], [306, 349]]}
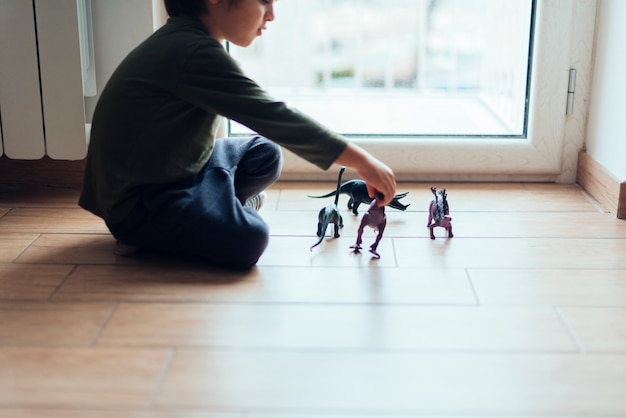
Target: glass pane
{"points": [[399, 67]]}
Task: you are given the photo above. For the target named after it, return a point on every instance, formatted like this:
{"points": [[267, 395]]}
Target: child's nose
{"points": [[269, 13]]}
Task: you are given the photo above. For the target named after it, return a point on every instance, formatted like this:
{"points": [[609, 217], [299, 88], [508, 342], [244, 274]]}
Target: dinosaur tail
{"points": [[323, 234], [326, 195], [345, 188], [338, 191]]}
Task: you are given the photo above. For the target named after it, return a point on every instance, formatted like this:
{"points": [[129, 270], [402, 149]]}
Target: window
{"points": [[400, 67], [457, 89]]}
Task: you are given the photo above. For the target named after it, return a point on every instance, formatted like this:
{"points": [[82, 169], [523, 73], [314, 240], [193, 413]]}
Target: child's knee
{"points": [[237, 246], [247, 246], [271, 152]]}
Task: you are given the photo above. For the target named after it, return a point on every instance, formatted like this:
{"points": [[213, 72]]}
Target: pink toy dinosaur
{"points": [[439, 212], [376, 219]]}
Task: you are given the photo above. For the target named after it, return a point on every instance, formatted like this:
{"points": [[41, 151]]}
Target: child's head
{"points": [[189, 7], [235, 21]]}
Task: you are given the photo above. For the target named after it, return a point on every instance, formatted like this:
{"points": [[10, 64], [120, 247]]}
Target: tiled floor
{"points": [[521, 314]]}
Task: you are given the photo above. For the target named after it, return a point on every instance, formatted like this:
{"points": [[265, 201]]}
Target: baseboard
{"points": [[596, 180], [45, 172], [591, 176]]}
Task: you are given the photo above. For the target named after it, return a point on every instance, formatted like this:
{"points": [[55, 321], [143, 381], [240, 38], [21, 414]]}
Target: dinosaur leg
{"points": [[432, 232], [351, 204], [320, 220], [449, 228], [379, 235], [336, 235], [359, 239]]}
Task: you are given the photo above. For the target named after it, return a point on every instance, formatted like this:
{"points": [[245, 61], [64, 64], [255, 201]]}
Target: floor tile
{"points": [[12, 244], [551, 287], [598, 329], [499, 253], [30, 282], [335, 252], [68, 248], [51, 324], [79, 377], [268, 285], [437, 384], [72, 249], [535, 225], [338, 327], [52, 220], [501, 198]]}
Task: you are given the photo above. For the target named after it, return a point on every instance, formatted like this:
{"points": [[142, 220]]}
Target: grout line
{"points": [[159, 381], [6, 213], [570, 330], [37, 236], [107, 318], [471, 283], [58, 287], [395, 252]]}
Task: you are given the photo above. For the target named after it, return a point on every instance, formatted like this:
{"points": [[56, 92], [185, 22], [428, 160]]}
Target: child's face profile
{"points": [[239, 23]]}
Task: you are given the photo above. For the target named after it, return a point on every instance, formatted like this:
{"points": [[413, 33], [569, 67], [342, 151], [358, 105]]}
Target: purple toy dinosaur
{"points": [[374, 218], [439, 212]]}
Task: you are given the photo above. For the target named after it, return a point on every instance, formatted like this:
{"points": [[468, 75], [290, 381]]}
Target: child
{"points": [[155, 172]]}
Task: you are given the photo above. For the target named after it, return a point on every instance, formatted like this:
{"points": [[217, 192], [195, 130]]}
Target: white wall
{"points": [[606, 131]]}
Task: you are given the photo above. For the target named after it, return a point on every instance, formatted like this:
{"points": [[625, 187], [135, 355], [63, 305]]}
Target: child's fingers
{"points": [[381, 197]]}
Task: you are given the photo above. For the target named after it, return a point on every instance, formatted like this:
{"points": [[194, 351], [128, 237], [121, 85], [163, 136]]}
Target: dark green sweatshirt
{"points": [[156, 119]]}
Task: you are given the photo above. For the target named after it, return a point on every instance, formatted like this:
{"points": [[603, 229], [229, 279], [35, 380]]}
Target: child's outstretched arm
{"points": [[377, 175]]}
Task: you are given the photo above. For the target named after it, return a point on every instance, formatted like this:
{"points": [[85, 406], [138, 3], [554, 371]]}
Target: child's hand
{"points": [[380, 181], [378, 177]]}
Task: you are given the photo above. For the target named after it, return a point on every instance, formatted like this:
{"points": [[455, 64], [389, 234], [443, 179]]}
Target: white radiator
{"points": [[46, 69]]}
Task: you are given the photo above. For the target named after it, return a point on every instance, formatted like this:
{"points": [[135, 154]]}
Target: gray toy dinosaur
{"points": [[330, 214], [357, 190]]}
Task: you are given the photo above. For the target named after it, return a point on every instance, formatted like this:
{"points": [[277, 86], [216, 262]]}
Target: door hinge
{"points": [[571, 89]]}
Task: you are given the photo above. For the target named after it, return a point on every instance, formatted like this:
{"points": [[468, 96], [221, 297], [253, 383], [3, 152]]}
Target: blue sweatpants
{"points": [[205, 216]]}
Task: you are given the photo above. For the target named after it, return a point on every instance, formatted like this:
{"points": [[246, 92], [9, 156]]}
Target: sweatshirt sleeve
{"points": [[212, 80]]}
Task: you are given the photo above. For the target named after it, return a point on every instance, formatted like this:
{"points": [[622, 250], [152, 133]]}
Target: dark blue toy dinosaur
{"points": [[357, 190], [330, 214]]}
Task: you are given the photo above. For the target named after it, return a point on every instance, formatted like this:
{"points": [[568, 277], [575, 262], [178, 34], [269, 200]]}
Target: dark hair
{"points": [[185, 7], [188, 7]]}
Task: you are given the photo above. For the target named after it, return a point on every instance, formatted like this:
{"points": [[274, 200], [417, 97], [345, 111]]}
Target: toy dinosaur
{"points": [[439, 212], [330, 214], [357, 190], [374, 218]]}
